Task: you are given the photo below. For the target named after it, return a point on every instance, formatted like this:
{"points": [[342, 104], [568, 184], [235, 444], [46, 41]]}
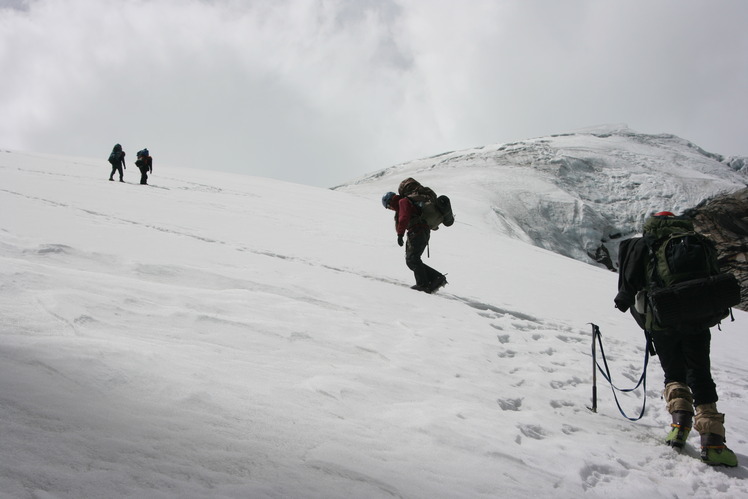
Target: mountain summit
{"points": [[574, 193]]}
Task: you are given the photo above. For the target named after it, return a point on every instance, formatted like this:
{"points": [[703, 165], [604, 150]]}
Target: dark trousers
{"points": [[143, 174], [685, 359], [114, 170], [414, 248]]}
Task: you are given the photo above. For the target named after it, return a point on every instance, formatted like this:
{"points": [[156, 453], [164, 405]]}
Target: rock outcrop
{"points": [[725, 220]]}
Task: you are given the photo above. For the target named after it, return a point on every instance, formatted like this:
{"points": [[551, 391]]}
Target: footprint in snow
{"points": [[569, 430], [532, 431], [592, 475], [558, 404], [570, 339], [510, 404], [574, 381]]}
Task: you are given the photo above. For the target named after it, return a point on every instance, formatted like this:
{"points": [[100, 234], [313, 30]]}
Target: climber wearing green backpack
{"points": [[418, 211], [669, 278]]}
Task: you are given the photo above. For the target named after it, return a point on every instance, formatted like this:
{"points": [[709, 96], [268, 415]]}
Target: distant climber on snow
{"points": [[117, 160], [145, 164], [418, 211]]}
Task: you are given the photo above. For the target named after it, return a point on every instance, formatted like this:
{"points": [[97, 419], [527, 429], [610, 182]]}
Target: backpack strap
{"points": [[652, 244]]}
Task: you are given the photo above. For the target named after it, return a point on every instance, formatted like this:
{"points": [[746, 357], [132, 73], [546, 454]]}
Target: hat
{"points": [[664, 214], [387, 198]]}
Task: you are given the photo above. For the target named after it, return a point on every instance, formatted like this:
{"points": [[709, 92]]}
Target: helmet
{"points": [[664, 214], [387, 198]]}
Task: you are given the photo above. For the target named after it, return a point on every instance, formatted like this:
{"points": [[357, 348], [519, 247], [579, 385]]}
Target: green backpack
{"points": [[685, 289], [434, 210]]}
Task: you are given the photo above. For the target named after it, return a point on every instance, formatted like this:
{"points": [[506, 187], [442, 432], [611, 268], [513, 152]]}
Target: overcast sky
{"points": [[322, 91]]}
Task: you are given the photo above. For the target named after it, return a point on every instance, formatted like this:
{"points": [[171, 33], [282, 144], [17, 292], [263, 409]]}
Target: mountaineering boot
{"points": [[714, 452], [680, 428], [710, 423], [437, 283], [680, 405]]}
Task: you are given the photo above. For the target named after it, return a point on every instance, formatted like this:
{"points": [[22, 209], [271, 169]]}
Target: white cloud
{"points": [[320, 91]]}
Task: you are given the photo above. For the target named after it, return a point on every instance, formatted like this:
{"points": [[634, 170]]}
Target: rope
{"points": [[606, 374]]}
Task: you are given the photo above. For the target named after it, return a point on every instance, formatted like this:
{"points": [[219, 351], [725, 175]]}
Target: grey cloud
{"points": [[14, 4], [321, 92]]}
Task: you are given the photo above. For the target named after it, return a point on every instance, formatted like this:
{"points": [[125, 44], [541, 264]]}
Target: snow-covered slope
{"points": [[222, 336], [576, 194]]}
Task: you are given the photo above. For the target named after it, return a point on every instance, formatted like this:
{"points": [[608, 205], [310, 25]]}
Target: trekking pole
{"points": [[594, 368]]}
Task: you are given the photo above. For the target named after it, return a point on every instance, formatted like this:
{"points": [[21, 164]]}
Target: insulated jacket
{"points": [[408, 217], [145, 163], [121, 158], [632, 271]]}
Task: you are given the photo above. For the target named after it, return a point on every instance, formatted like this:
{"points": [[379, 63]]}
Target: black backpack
{"points": [[116, 154], [434, 210], [685, 288]]}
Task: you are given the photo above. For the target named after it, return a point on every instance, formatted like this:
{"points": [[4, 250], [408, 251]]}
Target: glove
{"points": [[399, 240], [623, 301]]}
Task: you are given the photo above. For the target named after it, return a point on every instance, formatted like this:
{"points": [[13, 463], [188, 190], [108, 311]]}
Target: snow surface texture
{"points": [[575, 193], [222, 336]]}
